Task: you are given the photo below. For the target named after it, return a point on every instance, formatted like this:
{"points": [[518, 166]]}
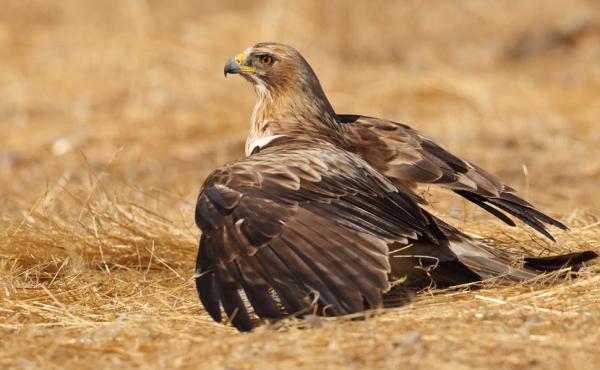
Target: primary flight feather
{"points": [[321, 214]]}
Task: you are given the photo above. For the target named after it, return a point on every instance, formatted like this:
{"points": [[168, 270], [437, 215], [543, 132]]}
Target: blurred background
{"points": [[126, 100], [112, 113]]}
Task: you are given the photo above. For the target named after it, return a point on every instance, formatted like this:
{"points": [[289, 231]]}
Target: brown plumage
{"points": [[321, 214]]}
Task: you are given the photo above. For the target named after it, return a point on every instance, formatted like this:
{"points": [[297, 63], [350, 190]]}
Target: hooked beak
{"points": [[231, 66], [236, 65]]}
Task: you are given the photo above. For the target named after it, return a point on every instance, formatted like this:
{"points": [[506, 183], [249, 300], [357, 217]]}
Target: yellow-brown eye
{"points": [[266, 59]]}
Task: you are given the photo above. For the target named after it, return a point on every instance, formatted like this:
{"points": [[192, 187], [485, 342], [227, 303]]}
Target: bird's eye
{"points": [[266, 59]]}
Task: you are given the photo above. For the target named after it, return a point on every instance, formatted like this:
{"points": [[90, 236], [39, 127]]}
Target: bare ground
{"points": [[112, 113]]}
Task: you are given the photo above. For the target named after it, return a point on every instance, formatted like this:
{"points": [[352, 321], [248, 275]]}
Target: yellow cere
{"points": [[239, 59]]}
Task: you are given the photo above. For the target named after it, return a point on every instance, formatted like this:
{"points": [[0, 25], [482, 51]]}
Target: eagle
{"points": [[322, 215]]}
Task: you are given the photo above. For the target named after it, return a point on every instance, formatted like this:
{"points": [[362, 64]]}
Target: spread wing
{"points": [[299, 223], [409, 157]]}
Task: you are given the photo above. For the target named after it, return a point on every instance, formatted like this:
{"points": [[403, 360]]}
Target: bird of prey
{"points": [[322, 214]]}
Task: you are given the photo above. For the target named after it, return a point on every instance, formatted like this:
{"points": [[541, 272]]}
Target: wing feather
{"points": [[360, 277], [409, 157], [233, 305], [311, 228], [257, 287], [206, 284]]}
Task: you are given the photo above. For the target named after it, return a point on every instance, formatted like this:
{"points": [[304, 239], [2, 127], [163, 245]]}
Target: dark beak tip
{"points": [[231, 66]]}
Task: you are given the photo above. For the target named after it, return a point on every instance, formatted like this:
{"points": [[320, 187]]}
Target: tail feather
{"points": [[553, 263], [462, 259], [489, 261]]}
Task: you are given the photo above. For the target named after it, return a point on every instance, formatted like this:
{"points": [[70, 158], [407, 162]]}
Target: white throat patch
{"points": [[259, 143]]}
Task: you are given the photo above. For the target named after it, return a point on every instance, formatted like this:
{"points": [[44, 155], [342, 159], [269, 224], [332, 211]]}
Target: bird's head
{"points": [[290, 97], [274, 66]]}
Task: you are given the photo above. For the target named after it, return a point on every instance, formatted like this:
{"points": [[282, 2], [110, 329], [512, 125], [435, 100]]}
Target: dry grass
{"points": [[113, 112]]}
